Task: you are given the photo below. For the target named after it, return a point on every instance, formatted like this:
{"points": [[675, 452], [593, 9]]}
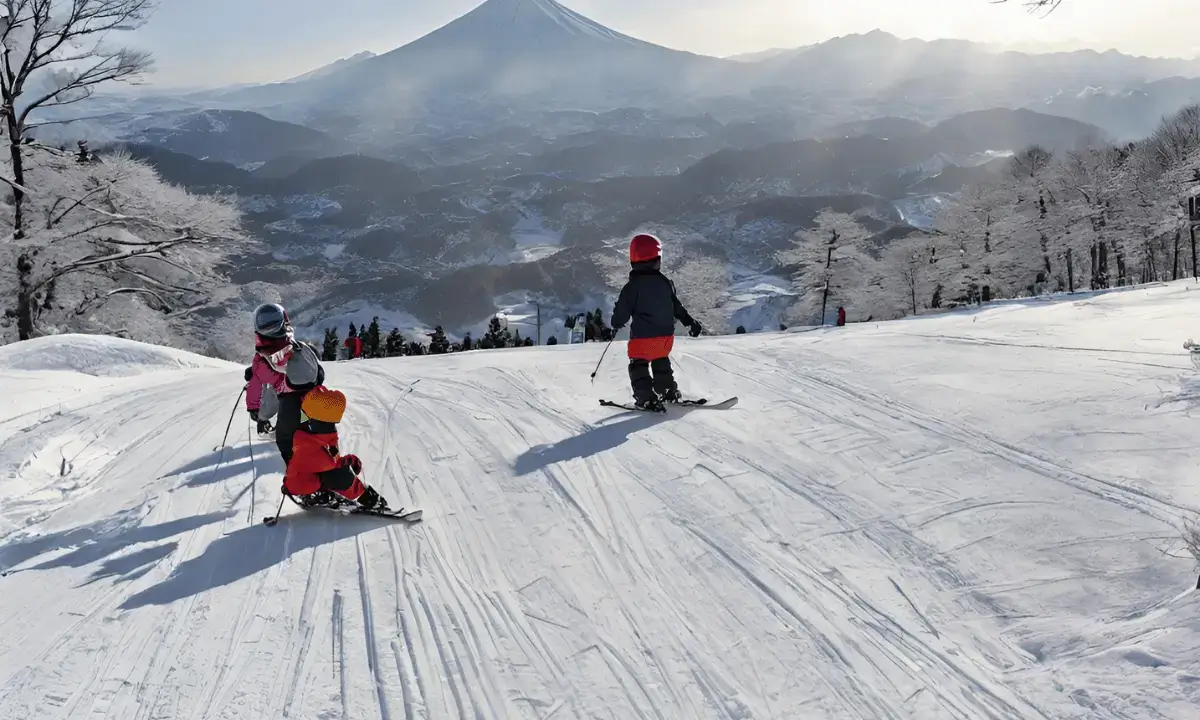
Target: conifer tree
{"points": [[438, 344], [496, 337], [394, 345], [466, 342], [329, 349], [372, 340]]}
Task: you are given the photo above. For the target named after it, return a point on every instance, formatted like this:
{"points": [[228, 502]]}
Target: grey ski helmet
{"points": [[271, 321]]}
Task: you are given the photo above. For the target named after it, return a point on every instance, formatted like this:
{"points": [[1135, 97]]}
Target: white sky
{"points": [[214, 42]]}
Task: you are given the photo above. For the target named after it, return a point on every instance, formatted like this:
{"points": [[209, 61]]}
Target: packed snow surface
{"points": [[961, 516]]}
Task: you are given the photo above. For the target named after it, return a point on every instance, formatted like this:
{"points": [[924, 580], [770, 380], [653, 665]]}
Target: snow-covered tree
{"points": [[1098, 216], [702, 284], [909, 263], [98, 244], [832, 264], [85, 232], [56, 52]]}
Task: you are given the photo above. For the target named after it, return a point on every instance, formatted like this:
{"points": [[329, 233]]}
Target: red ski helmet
{"points": [[644, 247]]}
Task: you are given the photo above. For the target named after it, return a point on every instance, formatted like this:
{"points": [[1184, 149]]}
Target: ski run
{"points": [[974, 515]]}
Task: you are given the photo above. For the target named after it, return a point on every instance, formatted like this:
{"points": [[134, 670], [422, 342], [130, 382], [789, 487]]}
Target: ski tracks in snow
{"points": [[823, 551]]}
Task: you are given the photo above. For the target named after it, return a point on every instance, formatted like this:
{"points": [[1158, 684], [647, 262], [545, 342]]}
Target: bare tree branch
{"points": [[1044, 6], [96, 299]]}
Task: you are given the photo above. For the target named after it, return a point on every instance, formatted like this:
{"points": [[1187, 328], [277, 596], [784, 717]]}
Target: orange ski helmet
{"points": [[324, 405]]}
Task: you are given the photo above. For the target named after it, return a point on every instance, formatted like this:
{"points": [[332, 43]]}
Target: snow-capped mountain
{"points": [[1128, 112], [334, 66], [517, 62], [536, 52]]}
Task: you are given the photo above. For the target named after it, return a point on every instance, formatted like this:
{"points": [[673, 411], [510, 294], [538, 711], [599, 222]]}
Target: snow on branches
{"points": [[97, 229], [56, 51], [93, 244], [831, 266], [1095, 217]]}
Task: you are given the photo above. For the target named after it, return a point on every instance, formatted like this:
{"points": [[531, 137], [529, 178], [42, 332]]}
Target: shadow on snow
{"points": [[224, 472], [592, 442], [104, 542], [219, 456], [250, 550], [223, 464]]}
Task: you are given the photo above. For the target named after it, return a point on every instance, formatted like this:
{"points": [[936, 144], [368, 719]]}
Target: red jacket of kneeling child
{"points": [[316, 461]]}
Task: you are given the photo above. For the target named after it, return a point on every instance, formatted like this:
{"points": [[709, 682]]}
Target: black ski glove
{"points": [[695, 329], [249, 373], [264, 427]]}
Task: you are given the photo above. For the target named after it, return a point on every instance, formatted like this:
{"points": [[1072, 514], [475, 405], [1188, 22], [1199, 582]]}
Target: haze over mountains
{"points": [[507, 155]]}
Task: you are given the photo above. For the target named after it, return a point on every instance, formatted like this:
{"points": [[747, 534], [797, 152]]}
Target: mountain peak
{"points": [[511, 56], [520, 49], [530, 20]]}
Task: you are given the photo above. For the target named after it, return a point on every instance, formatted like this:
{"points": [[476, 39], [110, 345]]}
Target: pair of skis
{"points": [[401, 514], [698, 403]]}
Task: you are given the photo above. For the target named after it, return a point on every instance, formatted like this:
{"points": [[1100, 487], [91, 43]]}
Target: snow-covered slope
{"points": [[951, 517]]}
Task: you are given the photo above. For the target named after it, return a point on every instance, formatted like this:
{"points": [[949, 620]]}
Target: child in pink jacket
{"points": [[282, 372]]}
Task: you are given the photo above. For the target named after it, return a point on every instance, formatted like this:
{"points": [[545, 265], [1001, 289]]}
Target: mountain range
{"points": [[473, 169], [444, 244], [511, 61]]}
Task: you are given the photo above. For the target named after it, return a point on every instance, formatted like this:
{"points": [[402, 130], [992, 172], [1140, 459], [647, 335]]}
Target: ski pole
{"points": [[253, 474], [231, 414], [606, 347], [269, 521]]}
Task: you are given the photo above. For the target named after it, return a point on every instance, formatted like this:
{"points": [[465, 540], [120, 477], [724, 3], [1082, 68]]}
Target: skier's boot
{"points": [[671, 395], [372, 500], [650, 405], [321, 498]]}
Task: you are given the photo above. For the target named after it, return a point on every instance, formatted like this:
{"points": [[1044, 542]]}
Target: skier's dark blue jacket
{"points": [[650, 302]]}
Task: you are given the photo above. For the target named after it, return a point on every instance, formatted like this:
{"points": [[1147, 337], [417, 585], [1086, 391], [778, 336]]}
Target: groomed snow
{"points": [[950, 517]]}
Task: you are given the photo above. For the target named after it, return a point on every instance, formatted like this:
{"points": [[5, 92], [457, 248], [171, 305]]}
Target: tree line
{"points": [[1095, 217], [377, 345]]}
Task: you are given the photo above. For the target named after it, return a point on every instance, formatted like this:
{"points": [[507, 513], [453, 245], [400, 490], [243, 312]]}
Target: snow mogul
{"points": [[650, 302], [318, 474], [282, 372]]}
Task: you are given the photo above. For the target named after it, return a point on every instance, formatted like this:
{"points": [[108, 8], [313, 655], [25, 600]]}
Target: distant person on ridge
{"points": [[318, 471], [649, 300], [288, 367]]}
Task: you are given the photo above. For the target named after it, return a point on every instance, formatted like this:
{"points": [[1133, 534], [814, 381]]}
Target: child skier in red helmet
{"points": [[650, 302]]}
